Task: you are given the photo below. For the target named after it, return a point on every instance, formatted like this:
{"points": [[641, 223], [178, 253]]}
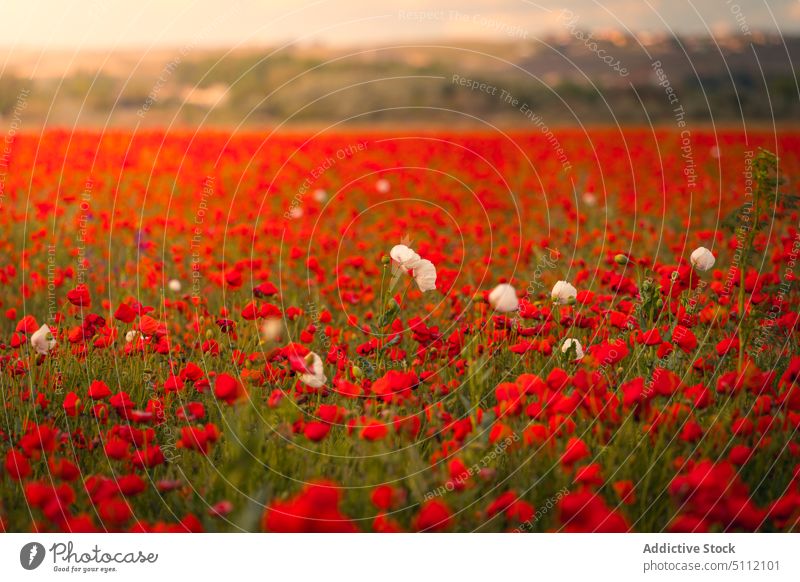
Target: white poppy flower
{"points": [[131, 335], [272, 329], [562, 292], [174, 285], [568, 343], [503, 298], [589, 199], [404, 256], [425, 275], [382, 186], [317, 377], [42, 340], [702, 259], [320, 195]]}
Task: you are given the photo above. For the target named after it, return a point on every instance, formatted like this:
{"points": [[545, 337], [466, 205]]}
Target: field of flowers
{"points": [[590, 331]]}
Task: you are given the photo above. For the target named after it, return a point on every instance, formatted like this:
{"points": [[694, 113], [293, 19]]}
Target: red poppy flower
{"points": [[27, 325], [228, 388], [314, 509], [124, 313], [17, 465], [684, 338], [99, 390], [374, 431], [71, 404], [575, 451], [434, 515], [316, 431], [79, 296]]}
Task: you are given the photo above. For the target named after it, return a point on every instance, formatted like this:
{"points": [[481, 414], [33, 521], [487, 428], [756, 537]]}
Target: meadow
{"points": [[389, 331]]}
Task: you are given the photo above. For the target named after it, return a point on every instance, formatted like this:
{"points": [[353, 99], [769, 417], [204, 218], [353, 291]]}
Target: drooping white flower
{"points": [[42, 340], [503, 298], [174, 285], [702, 259], [272, 329], [404, 257], [132, 335], [316, 378], [425, 275], [569, 343], [562, 292], [382, 186]]}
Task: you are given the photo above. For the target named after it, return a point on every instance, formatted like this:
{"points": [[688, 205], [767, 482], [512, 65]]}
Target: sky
{"points": [[74, 24]]}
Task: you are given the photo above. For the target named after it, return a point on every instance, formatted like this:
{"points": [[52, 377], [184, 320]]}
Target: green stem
{"points": [[741, 305]]}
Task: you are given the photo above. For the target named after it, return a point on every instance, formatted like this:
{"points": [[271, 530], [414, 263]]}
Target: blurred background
{"points": [[251, 64]]}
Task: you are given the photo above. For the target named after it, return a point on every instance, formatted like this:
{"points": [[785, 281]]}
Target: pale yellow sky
{"points": [[148, 23]]}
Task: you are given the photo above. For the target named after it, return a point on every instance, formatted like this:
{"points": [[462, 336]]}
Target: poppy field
{"points": [[586, 331]]}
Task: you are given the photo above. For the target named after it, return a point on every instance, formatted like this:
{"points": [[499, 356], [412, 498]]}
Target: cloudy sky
{"points": [[148, 23]]}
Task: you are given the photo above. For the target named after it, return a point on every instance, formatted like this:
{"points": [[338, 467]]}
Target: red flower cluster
{"points": [[226, 322]]}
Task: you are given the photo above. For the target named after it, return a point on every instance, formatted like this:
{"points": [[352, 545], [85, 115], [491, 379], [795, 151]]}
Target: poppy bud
{"points": [[357, 372], [621, 259], [386, 259]]}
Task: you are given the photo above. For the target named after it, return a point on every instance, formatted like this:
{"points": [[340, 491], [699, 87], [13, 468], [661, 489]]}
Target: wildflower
{"points": [[563, 293], [404, 257], [425, 275], [272, 329], [314, 377], [228, 388], [570, 343], [503, 298], [98, 390], [435, 515], [125, 313], [42, 340], [702, 259], [79, 296]]}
